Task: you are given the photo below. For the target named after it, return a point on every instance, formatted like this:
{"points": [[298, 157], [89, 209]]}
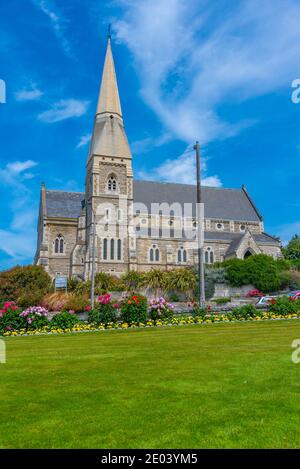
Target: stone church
{"points": [[123, 223]]}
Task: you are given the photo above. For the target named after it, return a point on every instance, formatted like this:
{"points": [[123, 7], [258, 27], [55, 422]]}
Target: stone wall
{"points": [[222, 290]]}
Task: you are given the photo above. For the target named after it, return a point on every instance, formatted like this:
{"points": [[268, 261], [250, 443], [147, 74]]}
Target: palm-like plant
{"points": [[154, 279], [181, 280], [132, 280], [103, 282]]}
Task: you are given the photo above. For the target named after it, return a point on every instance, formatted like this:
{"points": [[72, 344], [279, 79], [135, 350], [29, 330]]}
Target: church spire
{"points": [[109, 100]]}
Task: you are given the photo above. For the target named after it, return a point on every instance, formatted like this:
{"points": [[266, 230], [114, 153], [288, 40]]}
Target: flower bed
{"points": [[175, 321], [132, 312]]}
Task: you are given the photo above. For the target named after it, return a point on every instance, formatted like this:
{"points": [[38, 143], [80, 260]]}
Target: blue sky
{"points": [[211, 70]]}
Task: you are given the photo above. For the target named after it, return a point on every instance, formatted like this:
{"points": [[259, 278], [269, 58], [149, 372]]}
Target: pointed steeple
{"points": [[109, 100], [109, 136]]}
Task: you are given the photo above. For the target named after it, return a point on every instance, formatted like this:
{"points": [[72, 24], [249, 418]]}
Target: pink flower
{"points": [[88, 308], [71, 311]]}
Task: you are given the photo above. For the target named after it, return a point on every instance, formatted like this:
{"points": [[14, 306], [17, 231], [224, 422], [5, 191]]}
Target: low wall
{"points": [[223, 290]]}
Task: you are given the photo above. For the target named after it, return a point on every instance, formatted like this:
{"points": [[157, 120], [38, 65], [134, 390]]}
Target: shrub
{"points": [[195, 309], [55, 301], [30, 298], [261, 270], [244, 312], [104, 312], [134, 308], [83, 288], [36, 317], [284, 306], [221, 301], [103, 282], [63, 320], [76, 303], [291, 279], [10, 318], [73, 284], [159, 308], [21, 280], [154, 279], [180, 280], [132, 280], [117, 284]]}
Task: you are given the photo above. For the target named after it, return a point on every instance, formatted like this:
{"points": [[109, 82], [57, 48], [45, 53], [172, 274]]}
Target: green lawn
{"points": [[214, 386]]}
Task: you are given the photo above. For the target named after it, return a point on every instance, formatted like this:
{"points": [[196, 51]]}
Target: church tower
{"points": [[108, 186]]}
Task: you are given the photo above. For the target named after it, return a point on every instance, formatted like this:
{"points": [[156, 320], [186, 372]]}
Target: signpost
{"points": [[61, 282]]}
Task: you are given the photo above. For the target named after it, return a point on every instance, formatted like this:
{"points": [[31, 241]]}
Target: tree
{"points": [[292, 250], [19, 281]]}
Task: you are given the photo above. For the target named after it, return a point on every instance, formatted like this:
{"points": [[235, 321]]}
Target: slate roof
{"points": [[233, 239], [63, 204], [219, 203]]}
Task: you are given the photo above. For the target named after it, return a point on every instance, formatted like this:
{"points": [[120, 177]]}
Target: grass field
{"points": [[214, 386]]}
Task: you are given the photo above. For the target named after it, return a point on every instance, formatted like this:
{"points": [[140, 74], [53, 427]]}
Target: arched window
{"points": [[112, 184], [154, 254], [208, 256], [105, 249], [181, 255], [114, 246], [59, 245], [171, 223], [112, 249], [151, 255], [119, 252]]}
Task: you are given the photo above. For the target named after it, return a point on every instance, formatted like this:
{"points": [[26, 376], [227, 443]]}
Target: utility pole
{"points": [[201, 280], [93, 258]]}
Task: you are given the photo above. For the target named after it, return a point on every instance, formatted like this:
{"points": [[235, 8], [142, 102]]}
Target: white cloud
{"points": [[191, 59], [58, 23], [15, 173], [28, 95], [84, 140], [18, 240], [147, 143], [64, 109], [182, 170], [18, 167]]}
